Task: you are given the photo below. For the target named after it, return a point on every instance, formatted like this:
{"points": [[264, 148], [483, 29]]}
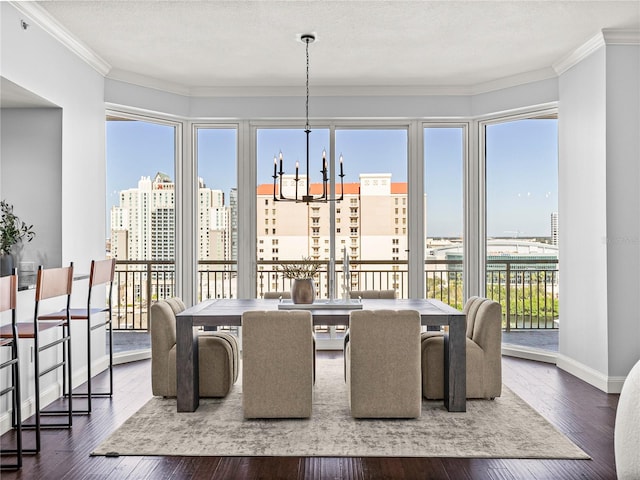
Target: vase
{"points": [[303, 290], [6, 264]]}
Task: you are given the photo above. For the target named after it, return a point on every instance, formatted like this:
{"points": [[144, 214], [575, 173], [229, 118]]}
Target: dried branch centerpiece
{"points": [[303, 289]]}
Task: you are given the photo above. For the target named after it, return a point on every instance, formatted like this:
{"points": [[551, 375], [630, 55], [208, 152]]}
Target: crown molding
{"points": [[613, 36], [42, 19], [514, 81], [147, 82], [328, 91], [608, 36], [579, 54]]}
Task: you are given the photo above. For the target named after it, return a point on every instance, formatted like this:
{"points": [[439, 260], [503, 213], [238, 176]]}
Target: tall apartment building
{"points": [[143, 224], [371, 221], [371, 224], [554, 228]]}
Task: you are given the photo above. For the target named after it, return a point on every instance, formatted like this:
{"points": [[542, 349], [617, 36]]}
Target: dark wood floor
{"points": [[579, 410]]}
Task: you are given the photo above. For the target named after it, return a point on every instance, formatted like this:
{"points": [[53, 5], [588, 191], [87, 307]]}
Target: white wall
{"points": [[623, 207], [31, 178], [34, 61], [582, 203], [599, 204]]}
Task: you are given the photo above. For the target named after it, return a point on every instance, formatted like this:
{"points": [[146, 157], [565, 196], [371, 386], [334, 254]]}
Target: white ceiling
{"points": [[191, 46]]}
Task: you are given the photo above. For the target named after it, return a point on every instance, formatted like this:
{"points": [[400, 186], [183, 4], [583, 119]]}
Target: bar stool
{"points": [[9, 338], [102, 273], [50, 283]]}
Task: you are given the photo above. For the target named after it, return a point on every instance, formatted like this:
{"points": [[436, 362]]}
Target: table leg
{"points": [[455, 366], [187, 363]]}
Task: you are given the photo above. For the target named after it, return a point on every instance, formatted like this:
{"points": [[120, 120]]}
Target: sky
{"points": [[521, 171]]}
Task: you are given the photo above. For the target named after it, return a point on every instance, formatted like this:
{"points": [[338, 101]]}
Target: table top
{"points": [[229, 311]]}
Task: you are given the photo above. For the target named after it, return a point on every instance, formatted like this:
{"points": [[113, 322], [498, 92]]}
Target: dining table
{"points": [[228, 312]]}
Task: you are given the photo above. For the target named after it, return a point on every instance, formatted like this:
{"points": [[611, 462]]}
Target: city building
{"points": [[143, 227], [554, 228]]}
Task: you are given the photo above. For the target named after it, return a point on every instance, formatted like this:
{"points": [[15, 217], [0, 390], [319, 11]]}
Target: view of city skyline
{"points": [[521, 166]]}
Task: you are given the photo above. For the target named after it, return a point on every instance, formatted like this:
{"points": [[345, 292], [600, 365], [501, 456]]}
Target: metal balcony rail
{"points": [[526, 288]]}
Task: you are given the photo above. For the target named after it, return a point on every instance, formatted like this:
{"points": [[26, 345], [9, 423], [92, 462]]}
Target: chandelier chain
{"points": [[307, 100]]}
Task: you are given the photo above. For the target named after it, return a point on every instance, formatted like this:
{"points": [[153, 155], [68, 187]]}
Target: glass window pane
{"points": [[289, 230], [443, 180], [373, 228], [217, 212], [522, 221], [140, 201]]}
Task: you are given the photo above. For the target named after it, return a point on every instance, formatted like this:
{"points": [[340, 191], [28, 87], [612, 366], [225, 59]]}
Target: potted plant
{"points": [[13, 231], [303, 289]]}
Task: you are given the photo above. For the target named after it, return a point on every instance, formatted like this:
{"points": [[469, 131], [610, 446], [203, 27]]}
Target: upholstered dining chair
{"points": [[101, 273], [9, 339], [483, 350], [373, 294], [276, 295], [370, 295], [277, 364], [178, 306], [217, 355], [383, 364]]}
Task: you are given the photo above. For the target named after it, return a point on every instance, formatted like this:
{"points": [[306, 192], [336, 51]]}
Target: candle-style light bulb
{"points": [[341, 172], [275, 167], [324, 161], [281, 162], [297, 166]]}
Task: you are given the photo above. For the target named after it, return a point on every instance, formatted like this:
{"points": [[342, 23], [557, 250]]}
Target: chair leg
{"points": [[16, 415], [66, 380], [90, 391]]}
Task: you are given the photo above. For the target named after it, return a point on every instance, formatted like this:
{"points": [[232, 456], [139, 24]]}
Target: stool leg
{"points": [[17, 406], [110, 356], [89, 363]]}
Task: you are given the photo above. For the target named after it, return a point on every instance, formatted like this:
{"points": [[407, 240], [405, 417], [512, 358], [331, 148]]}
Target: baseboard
{"points": [[528, 353], [591, 376], [80, 375], [52, 393], [131, 356]]}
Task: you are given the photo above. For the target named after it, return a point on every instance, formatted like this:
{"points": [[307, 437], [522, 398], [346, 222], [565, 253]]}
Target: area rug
{"points": [[504, 428]]}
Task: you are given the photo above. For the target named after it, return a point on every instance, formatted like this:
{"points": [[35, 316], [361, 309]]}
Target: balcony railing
{"points": [[526, 288]]}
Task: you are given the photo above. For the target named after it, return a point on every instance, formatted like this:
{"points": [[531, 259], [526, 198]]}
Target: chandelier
{"points": [[307, 198]]}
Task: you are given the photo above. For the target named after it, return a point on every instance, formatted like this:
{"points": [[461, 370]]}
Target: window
{"points": [[140, 160], [300, 226], [218, 217], [521, 167], [443, 180]]}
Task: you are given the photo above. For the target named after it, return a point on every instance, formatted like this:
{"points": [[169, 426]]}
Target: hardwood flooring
{"points": [[582, 412]]}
